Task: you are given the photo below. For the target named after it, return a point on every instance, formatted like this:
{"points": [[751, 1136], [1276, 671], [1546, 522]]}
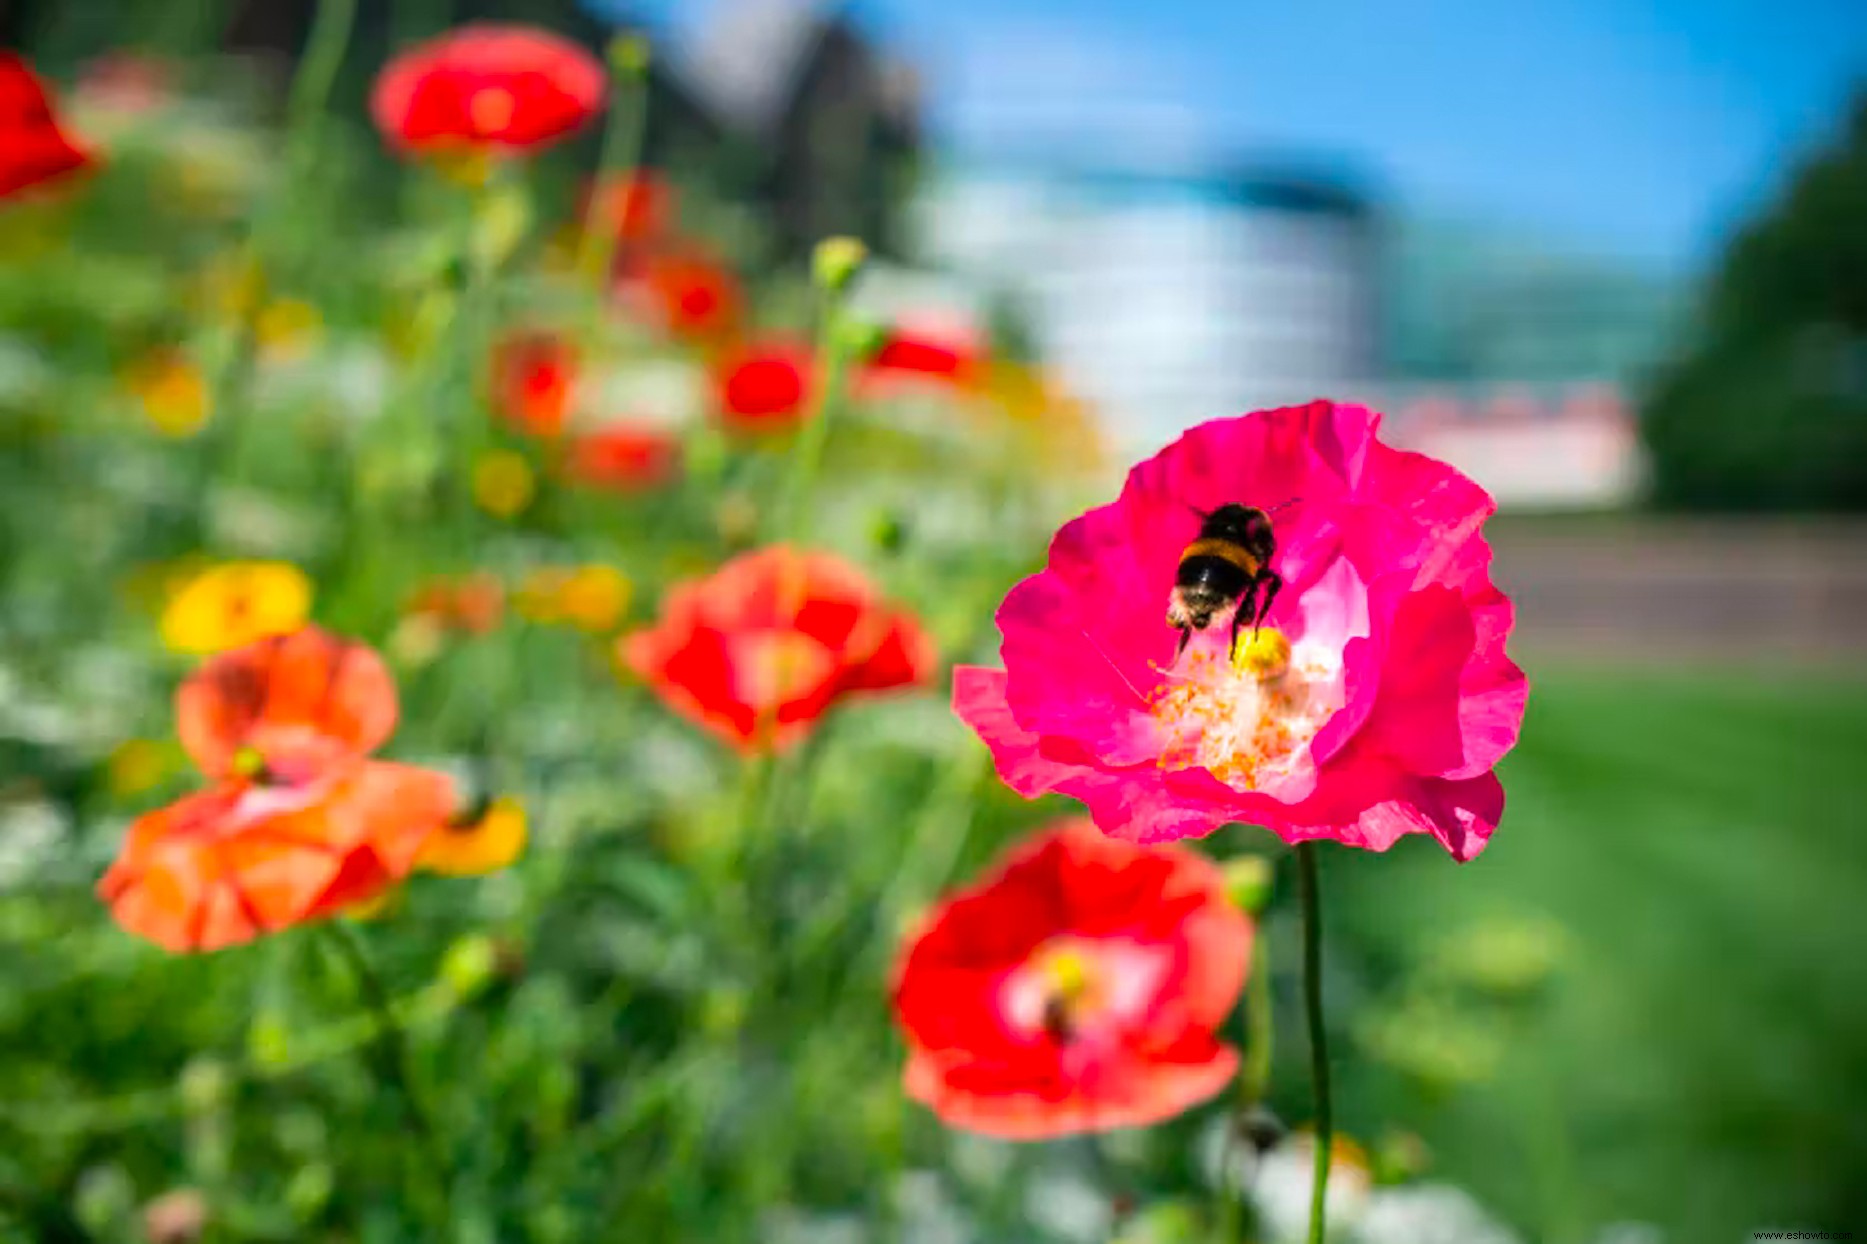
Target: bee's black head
{"points": [[1241, 524]]}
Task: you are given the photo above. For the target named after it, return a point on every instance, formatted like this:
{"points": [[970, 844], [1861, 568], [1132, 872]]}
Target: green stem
{"points": [[1260, 1031], [1319, 1046], [395, 1053], [623, 134], [833, 351], [1253, 1078], [317, 71], [1114, 1186]]}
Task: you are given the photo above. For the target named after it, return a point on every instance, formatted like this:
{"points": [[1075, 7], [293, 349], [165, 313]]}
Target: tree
{"points": [[1767, 409]]}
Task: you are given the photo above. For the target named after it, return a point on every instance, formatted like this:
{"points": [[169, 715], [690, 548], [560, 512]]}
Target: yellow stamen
{"points": [[1244, 719], [1263, 653]]}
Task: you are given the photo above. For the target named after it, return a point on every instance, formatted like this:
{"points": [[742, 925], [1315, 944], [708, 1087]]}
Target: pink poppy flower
{"points": [[1373, 700]]}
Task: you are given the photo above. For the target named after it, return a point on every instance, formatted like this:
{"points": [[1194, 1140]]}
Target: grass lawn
{"points": [[1700, 1059]]}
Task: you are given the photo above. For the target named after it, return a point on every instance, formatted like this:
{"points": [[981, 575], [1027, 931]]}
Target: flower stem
{"points": [[317, 69], [623, 135], [395, 1055], [1318, 1041], [833, 355]]}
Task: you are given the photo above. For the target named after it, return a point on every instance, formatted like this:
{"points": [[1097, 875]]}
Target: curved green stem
{"points": [[317, 70], [396, 1062], [833, 356], [1318, 1041], [623, 135]]}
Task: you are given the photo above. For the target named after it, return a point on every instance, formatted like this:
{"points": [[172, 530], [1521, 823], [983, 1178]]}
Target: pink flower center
{"points": [[774, 667], [1075, 990], [1247, 720]]}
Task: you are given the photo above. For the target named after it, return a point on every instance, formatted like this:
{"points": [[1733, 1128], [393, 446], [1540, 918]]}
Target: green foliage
{"points": [[1768, 409]]}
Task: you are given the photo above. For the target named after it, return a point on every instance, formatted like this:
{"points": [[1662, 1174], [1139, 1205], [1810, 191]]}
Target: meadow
{"points": [[254, 374]]}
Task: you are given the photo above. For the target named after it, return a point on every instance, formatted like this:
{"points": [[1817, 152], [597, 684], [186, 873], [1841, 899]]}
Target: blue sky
{"points": [[1638, 129]]}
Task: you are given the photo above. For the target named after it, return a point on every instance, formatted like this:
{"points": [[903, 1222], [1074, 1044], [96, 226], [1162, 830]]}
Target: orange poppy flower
{"points": [[687, 293], [471, 603], [763, 647], [534, 380], [286, 709], [635, 208], [624, 456], [224, 865]]}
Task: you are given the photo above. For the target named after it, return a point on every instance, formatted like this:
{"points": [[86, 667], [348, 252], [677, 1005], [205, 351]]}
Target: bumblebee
{"points": [[1228, 564]]}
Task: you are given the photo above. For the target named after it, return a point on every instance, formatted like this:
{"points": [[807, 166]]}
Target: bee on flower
{"points": [[1376, 696]]}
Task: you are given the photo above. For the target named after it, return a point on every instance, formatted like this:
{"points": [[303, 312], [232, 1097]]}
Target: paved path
{"points": [[1686, 590]]}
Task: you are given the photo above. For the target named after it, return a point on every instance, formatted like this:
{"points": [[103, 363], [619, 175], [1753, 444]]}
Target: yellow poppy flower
{"points": [[473, 847], [172, 391], [236, 603], [284, 327], [594, 597], [503, 483]]}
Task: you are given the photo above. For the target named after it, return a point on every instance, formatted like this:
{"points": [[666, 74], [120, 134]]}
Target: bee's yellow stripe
{"points": [[1225, 550]]}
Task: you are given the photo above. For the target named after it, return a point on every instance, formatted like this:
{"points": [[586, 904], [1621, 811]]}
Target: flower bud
{"points": [[267, 1042], [203, 1085], [469, 965], [630, 54], [1248, 882], [836, 262]]}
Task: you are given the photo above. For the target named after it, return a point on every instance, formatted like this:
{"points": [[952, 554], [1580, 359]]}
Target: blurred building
{"points": [[828, 120], [1547, 446], [1167, 295], [1482, 304], [1516, 361]]}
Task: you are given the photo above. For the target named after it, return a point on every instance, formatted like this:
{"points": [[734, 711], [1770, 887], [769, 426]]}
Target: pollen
{"points": [[1264, 654], [1248, 719]]}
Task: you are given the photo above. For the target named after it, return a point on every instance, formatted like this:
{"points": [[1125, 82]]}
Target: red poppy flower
{"points": [[625, 456], [1078, 989], [762, 648], [225, 865], [288, 709], [634, 209], [915, 354], [33, 149], [471, 603], [687, 293], [492, 88], [764, 387], [534, 380]]}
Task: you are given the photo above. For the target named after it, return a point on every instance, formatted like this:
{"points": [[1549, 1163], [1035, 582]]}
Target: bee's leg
{"points": [[1273, 584], [1247, 611]]}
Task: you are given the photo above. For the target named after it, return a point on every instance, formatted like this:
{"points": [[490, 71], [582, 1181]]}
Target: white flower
{"points": [[1428, 1214]]}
